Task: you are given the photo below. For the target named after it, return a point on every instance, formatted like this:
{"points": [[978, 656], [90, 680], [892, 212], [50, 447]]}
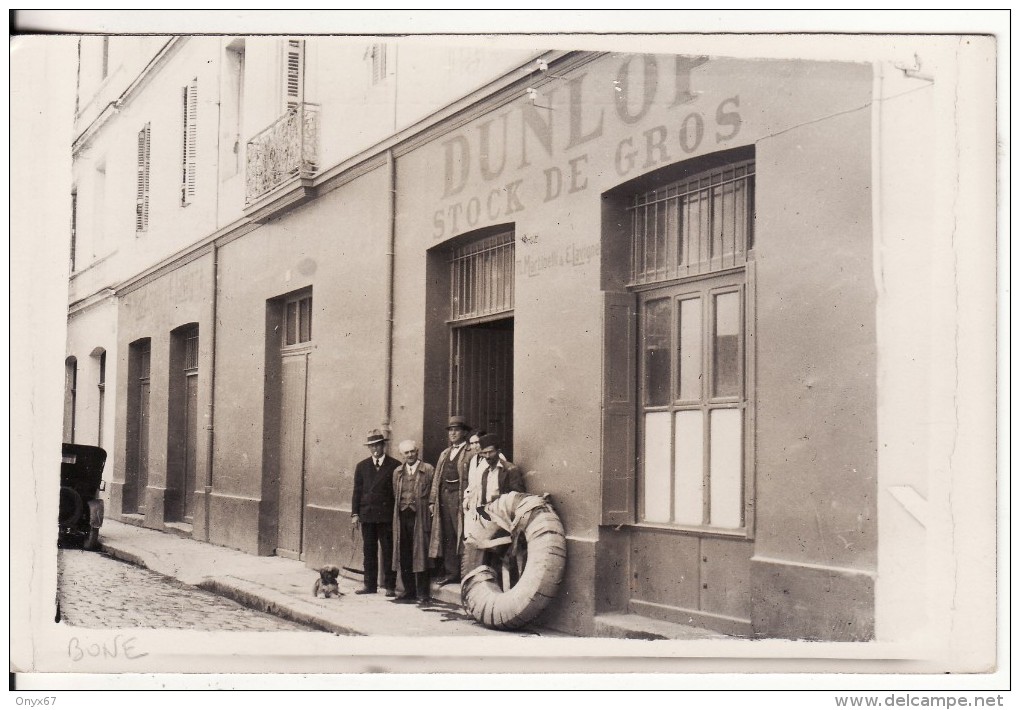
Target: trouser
{"points": [[416, 584], [376, 537], [449, 516], [493, 557]]}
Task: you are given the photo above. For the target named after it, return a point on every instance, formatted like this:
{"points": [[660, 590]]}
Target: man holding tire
{"points": [[490, 477]]}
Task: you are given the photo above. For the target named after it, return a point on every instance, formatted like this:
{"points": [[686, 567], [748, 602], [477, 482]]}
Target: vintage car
{"points": [[81, 509]]}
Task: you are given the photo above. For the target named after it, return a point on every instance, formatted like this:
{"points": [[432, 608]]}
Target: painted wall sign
{"points": [[568, 116]]}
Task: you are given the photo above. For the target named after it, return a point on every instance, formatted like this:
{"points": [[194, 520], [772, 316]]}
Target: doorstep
{"points": [[635, 626]]}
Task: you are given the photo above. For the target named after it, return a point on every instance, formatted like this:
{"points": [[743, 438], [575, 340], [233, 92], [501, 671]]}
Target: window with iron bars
{"points": [[699, 225], [191, 349], [482, 277], [692, 243]]}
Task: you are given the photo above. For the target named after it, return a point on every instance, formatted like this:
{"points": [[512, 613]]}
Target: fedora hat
{"points": [[375, 437], [458, 423]]}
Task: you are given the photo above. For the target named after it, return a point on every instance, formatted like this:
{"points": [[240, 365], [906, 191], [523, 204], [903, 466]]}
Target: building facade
{"points": [[653, 275]]}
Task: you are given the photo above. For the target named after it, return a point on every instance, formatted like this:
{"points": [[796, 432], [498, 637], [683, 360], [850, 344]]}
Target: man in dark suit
{"points": [[447, 498], [372, 509]]}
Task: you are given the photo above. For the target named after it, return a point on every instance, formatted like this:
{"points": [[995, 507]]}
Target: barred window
{"points": [[698, 225], [482, 277], [191, 349], [691, 245]]}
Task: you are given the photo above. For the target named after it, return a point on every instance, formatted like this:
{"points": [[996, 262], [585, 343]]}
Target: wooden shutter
{"points": [[294, 70], [142, 194], [190, 140], [619, 381]]}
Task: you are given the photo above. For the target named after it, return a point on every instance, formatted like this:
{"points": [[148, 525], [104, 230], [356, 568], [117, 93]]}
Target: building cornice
{"points": [[157, 62], [79, 307], [489, 97]]}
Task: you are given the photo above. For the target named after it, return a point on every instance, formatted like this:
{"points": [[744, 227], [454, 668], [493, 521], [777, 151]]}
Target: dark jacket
{"points": [[373, 490]]}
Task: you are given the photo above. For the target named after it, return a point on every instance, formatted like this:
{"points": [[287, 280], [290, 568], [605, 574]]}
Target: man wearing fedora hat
{"points": [[446, 541], [490, 477], [372, 508]]}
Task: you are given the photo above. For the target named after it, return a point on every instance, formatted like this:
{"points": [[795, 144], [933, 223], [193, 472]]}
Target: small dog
{"points": [[326, 583]]}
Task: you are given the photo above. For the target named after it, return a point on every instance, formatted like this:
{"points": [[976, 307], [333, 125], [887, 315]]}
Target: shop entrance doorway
{"points": [[482, 377]]}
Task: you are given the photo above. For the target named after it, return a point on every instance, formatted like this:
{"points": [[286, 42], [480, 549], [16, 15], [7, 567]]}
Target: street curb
{"points": [[275, 603], [123, 555], [264, 600]]}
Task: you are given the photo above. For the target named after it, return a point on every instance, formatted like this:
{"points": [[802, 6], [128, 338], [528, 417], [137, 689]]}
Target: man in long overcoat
{"points": [[412, 520], [372, 509], [447, 539]]}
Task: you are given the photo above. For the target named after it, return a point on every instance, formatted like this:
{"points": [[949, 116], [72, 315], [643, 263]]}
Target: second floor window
{"points": [[74, 227], [142, 192], [294, 70], [189, 141], [377, 53]]}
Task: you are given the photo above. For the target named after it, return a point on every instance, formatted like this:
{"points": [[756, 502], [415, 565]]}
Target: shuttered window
{"points": [[294, 70], [142, 196], [189, 141], [74, 228], [378, 56]]}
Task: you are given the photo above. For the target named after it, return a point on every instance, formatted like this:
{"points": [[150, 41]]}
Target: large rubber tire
{"points": [[539, 582], [71, 506]]}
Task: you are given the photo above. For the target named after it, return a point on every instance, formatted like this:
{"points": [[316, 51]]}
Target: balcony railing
{"points": [[288, 148]]}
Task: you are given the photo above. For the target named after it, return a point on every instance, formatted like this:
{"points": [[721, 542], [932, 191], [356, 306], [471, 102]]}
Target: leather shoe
{"points": [[391, 592], [405, 599], [452, 579], [365, 590], [424, 601]]}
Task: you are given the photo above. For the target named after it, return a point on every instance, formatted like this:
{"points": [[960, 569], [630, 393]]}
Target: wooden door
{"points": [[190, 443], [293, 399]]}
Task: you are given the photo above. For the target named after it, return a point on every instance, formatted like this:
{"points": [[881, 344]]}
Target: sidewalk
{"points": [[284, 587]]}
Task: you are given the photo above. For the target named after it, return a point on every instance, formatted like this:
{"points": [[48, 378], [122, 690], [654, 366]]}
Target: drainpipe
{"points": [[210, 436], [388, 404], [209, 431]]}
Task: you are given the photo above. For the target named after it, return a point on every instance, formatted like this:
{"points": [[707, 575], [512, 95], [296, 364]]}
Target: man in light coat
{"points": [[412, 522], [446, 541]]}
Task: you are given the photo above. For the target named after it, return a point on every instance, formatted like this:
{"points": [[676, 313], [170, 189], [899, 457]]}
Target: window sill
{"points": [[297, 349], [693, 530]]}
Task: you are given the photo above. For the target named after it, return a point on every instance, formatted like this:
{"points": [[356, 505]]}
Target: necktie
{"points": [[485, 486]]}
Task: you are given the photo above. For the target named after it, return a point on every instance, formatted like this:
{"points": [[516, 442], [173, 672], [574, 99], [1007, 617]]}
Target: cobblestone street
{"points": [[99, 592]]}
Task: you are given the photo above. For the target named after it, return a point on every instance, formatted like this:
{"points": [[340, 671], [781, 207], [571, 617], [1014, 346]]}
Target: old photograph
{"points": [[379, 349]]}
